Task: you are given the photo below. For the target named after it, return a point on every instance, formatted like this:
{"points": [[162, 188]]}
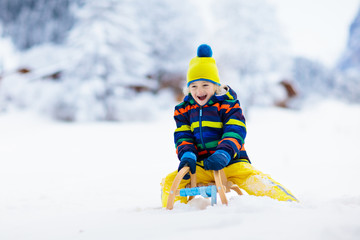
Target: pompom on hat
{"points": [[203, 67]]}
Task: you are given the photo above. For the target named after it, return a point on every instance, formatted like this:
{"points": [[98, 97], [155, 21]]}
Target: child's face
{"points": [[202, 91]]}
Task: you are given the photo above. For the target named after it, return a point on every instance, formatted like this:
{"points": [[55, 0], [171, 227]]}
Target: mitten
{"points": [[218, 160], [188, 159]]}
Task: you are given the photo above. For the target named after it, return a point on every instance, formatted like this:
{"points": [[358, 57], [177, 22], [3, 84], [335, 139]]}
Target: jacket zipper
{"points": [[200, 126]]}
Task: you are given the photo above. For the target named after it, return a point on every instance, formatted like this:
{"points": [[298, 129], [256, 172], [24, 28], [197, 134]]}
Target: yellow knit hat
{"points": [[203, 67]]}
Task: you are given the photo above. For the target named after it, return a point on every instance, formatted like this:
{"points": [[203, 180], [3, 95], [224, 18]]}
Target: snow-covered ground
{"points": [[64, 181]]}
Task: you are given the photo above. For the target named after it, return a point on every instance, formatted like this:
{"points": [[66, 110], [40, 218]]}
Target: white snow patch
{"points": [[102, 180]]}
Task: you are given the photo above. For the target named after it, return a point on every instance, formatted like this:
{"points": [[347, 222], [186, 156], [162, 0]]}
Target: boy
{"points": [[210, 134]]}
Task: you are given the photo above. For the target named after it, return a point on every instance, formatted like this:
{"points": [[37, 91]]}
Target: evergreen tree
{"points": [[33, 22], [109, 56], [348, 75], [313, 77], [351, 58]]}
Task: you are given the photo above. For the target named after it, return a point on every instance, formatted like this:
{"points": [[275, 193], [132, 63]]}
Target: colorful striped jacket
{"points": [[219, 124]]}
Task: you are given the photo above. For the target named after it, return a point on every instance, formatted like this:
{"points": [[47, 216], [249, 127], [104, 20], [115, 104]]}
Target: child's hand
{"points": [[188, 159], [218, 160]]}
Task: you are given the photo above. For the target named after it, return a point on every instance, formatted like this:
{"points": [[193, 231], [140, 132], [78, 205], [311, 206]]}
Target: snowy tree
{"points": [[33, 22], [313, 77], [350, 60], [250, 48], [172, 30], [108, 57], [107, 43], [348, 69], [99, 63]]}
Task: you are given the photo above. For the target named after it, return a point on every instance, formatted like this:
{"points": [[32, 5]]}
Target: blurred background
{"points": [[122, 60], [87, 91]]}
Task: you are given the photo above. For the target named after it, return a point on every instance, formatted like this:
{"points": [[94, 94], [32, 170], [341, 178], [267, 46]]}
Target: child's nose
{"points": [[200, 91]]}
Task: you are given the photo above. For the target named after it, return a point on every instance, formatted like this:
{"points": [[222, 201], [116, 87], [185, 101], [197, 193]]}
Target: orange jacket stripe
{"points": [[232, 140]]}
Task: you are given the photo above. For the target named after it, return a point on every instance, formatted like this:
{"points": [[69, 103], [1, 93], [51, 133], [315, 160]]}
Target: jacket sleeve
{"points": [[234, 128], [183, 136]]}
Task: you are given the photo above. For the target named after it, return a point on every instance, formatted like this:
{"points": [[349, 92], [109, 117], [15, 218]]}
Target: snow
{"points": [[101, 180]]}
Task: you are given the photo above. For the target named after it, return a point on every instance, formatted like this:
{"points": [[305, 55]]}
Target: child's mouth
{"points": [[202, 98]]}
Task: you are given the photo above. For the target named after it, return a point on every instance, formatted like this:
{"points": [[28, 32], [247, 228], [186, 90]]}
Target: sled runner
{"points": [[221, 186]]}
